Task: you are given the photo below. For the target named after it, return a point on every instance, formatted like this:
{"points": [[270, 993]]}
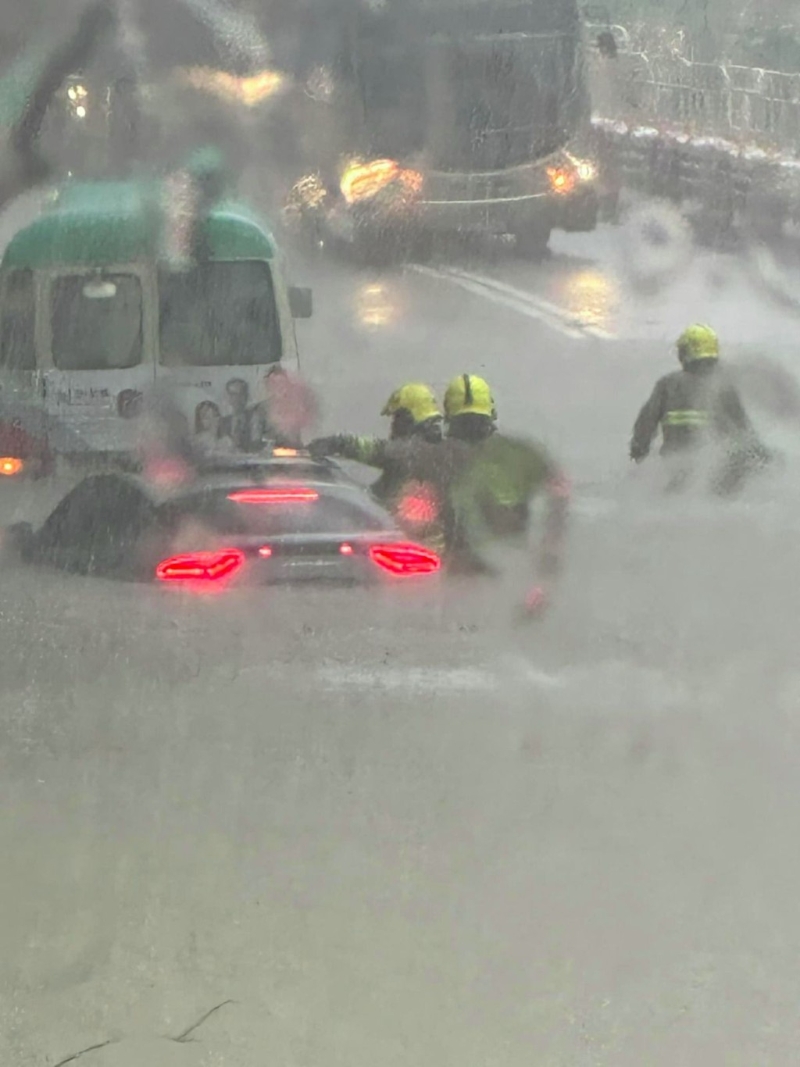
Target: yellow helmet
{"points": [[417, 399], [468, 395], [698, 342]]}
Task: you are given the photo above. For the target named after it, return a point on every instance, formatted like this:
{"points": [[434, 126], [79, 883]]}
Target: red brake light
{"points": [[345, 549], [279, 494], [265, 551], [404, 558], [200, 566], [10, 465], [419, 506]]}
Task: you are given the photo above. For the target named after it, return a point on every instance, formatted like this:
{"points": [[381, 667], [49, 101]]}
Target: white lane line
{"points": [[431, 679], [557, 318], [560, 313], [521, 305], [438, 680]]}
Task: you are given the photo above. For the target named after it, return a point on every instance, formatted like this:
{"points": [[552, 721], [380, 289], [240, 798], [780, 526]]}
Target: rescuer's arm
{"points": [[551, 548], [733, 410], [738, 424], [646, 426], [368, 450], [547, 477]]}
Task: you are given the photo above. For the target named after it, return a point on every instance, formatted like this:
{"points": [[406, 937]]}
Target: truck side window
{"points": [[17, 321]]}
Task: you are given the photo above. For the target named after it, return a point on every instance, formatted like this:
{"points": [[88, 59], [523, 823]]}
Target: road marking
{"points": [[430, 679], [439, 680], [518, 301], [534, 307]]}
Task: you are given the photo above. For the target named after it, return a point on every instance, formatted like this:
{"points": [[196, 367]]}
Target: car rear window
{"points": [[218, 314], [97, 321], [328, 514]]}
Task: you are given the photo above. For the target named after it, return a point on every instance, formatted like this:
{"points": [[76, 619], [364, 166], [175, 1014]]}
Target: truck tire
{"points": [[532, 241], [372, 247]]}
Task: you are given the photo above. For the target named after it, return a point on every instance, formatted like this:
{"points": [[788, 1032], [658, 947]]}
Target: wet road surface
{"points": [[397, 828]]}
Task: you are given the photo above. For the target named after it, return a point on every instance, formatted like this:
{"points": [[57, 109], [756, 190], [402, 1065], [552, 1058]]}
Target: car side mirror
{"points": [[301, 302]]}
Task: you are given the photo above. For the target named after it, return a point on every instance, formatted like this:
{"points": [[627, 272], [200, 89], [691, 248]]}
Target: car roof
{"points": [[324, 476], [240, 471], [281, 465], [109, 223]]}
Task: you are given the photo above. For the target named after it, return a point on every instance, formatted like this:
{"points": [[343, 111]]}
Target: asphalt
{"points": [[402, 827]]}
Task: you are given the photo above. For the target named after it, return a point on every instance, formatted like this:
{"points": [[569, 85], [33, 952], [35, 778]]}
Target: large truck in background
{"points": [[418, 116]]}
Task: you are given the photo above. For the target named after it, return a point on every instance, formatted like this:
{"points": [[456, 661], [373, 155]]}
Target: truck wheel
{"points": [[373, 247], [532, 241]]}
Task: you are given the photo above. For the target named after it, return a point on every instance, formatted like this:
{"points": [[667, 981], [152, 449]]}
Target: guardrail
{"points": [[723, 139], [717, 99]]}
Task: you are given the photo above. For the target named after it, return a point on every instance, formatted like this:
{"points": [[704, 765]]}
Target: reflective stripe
{"points": [[685, 418]]}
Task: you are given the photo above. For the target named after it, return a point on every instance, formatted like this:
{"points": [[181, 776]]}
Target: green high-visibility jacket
{"points": [[690, 407], [491, 496]]}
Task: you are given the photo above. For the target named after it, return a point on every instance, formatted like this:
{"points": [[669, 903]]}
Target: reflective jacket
{"points": [[691, 406], [492, 494], [415, 480]]}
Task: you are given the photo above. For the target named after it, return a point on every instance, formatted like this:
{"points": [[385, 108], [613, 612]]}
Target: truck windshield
{"points": [[218, 314], [96, 321], [514, 102], [478, 86]]}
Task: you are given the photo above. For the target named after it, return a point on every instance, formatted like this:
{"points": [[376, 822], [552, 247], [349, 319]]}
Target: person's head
{"points": [[414, 411], [238, 393], [698, 344], [206, 417], [469, 408]]}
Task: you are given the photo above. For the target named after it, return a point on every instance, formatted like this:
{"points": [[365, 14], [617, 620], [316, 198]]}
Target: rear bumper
{"points": [[577, 211], [505, 201], [497, 202]]}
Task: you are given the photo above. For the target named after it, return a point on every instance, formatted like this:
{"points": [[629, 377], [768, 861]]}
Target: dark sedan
{"points": [[248, 520]]}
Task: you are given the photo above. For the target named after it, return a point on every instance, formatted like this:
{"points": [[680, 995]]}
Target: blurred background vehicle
{"points": [[414, 117]]}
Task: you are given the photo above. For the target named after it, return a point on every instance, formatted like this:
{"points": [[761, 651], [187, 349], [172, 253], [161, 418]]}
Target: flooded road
{"points": [[398, 829]]}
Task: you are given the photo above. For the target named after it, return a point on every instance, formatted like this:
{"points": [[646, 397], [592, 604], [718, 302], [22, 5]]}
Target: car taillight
{"points": [[265, 551], [10, 465], [284, 494], [404, 558], [200, 566]]}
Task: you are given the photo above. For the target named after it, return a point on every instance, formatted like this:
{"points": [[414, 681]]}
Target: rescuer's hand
{"points": [[536, 602]]}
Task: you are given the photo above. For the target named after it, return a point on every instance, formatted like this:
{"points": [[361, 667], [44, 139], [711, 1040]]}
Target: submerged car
{"points": [[248, 520]]}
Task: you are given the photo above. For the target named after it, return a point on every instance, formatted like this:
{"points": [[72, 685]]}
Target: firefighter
{"points": [[469, 409], [492, 491], [694, 407], [416, 470]]}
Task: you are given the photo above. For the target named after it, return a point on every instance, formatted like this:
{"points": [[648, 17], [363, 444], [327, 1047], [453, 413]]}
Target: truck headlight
{"points": [[562, 179], [362, 181]]}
